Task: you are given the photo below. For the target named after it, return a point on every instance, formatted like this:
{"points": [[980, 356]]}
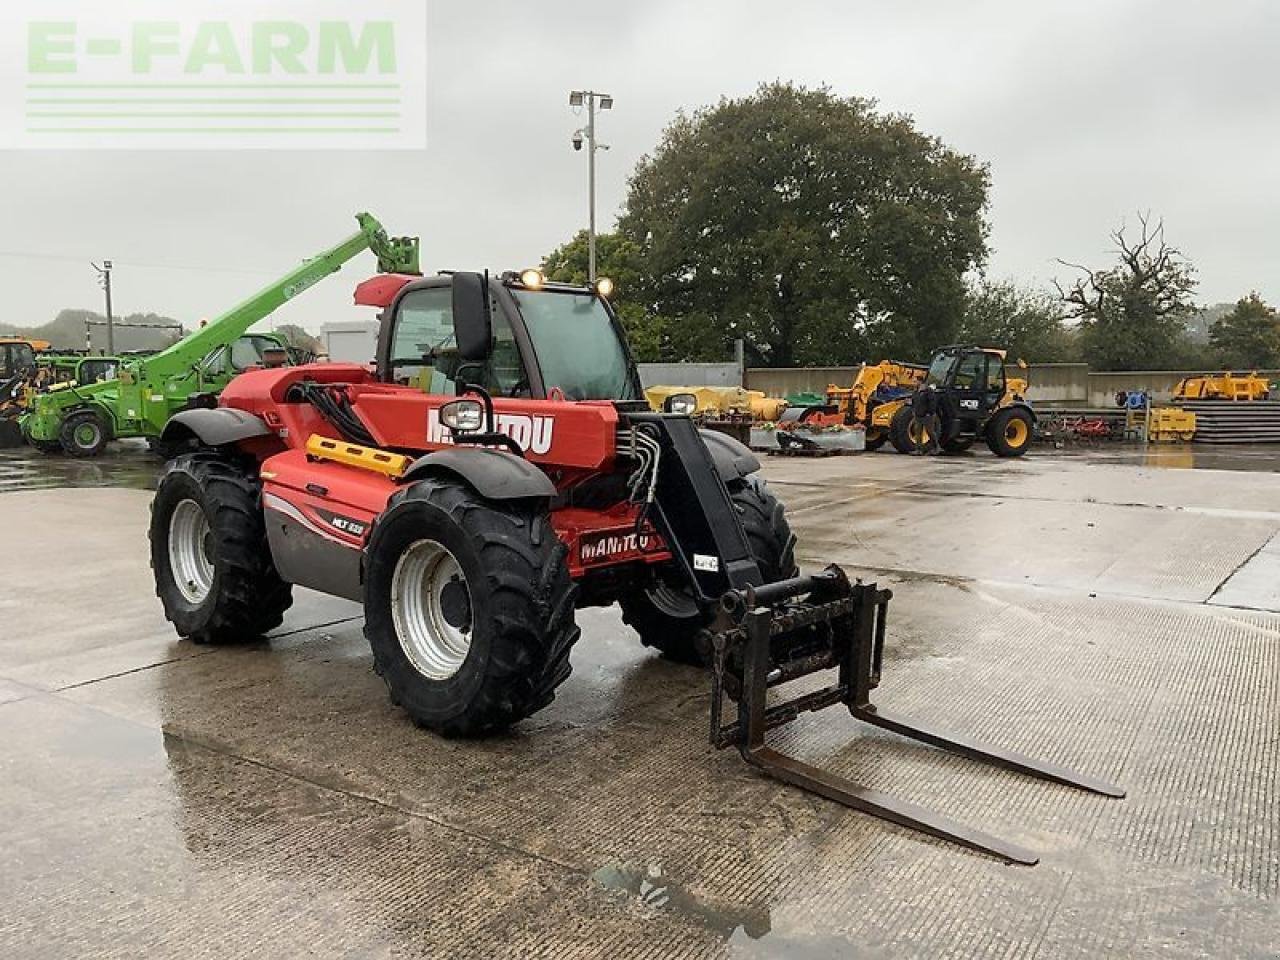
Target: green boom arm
{"points": [[148, 391], [399, 255]]}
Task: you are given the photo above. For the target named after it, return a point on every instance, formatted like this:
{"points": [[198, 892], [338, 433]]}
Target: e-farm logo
{"points": [[273, 74]]}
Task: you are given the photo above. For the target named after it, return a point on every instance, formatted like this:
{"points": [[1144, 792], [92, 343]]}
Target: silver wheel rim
{"points": [[673, 601], [435, 645], [189, 559]]}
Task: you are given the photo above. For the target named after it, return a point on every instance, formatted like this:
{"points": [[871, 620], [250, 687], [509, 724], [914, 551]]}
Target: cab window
{"points": [[995, 375], [971, 371], [424, 348], [214, 363]]}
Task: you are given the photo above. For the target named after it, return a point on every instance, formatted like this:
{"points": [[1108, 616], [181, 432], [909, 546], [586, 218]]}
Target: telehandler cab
{"points": [[498, 469]]}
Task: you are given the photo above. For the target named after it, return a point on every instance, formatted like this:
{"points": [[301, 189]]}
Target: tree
{"points": [[1249, 336], [1134, 315], [1027, 323], [810, 225]]}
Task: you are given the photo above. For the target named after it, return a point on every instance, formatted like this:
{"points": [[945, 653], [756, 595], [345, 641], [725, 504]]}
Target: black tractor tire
{"points": [[84, 433], [245, 596], [1010, 431], [876, 438], [518, 607], [900, 429], [667, 618]]}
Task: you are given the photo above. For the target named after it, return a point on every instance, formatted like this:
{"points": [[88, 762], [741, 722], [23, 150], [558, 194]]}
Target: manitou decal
{"points": [[599, 547], [532, 433]]}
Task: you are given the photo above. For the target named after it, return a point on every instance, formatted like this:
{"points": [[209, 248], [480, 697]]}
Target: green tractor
{"points": [[81, 419]]}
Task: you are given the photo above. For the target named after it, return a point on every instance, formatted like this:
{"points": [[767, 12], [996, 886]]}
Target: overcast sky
{"points": [[1086, 111]]}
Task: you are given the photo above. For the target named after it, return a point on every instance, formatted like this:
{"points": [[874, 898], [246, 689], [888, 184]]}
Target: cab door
{"points": [[968, 387]]}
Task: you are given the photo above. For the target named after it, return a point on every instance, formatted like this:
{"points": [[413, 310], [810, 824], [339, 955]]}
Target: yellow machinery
{"points": [[1224, 386], [722, 401], [1169, 423], [875, 387], [986, 404]]}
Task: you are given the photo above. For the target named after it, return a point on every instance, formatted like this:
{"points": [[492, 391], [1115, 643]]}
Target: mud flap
{"points": [[767, 636]]}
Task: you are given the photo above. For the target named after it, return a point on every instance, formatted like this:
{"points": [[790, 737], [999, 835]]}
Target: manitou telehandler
{"points": [[496, 469], [81, 420]]}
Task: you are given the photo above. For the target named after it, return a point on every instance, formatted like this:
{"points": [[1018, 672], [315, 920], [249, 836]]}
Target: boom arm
{"points": [[395, 255]]}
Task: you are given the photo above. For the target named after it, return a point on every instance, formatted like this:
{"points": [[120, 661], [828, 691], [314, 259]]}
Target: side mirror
{"points": [[472, 324]]}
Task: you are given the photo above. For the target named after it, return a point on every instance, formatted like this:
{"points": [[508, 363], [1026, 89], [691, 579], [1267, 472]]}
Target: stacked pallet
{"points": [[1228, 421]]}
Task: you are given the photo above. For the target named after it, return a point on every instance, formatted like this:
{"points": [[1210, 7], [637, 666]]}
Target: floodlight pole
{"points": [[591, 188], [104, 277], [590, 98]]}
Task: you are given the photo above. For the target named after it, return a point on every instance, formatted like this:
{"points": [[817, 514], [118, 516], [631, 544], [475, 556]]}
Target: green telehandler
{"points": [[82, 419]]}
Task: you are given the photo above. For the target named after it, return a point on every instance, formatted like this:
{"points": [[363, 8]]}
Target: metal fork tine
{"points": [[866, 800], [987, 753]]}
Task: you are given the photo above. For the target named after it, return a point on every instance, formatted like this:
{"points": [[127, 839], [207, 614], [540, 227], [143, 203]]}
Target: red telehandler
{"points": [[496, 470]]}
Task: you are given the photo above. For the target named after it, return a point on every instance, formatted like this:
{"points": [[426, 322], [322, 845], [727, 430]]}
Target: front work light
{"points": [[682, 404], [463, 416], [604, 287], [532, 279]]}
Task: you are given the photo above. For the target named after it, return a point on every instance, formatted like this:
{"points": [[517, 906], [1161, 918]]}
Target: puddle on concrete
{"points": [[1248, 458], [124, 464], [656, 890]]}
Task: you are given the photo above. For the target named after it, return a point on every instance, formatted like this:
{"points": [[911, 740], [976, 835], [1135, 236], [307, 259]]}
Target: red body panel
{"points": [[339, 503], [575, 436], [379, 291]]}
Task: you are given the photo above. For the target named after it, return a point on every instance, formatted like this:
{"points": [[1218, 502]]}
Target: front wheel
{"points": [[665, 613], [84, 434], [209, 553], [468, 607], [1009, 432]]}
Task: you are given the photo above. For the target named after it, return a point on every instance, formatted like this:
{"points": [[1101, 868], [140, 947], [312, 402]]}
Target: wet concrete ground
{"points": [[1093, 608]]}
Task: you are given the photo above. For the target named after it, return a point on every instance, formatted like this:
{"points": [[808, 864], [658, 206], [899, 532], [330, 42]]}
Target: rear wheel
{"points": [[665, 614], [209, 553], [468, 607], [84, 434], [1009, 432]]}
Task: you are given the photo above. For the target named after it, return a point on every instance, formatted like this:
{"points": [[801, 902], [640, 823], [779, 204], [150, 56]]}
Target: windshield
{"points": [[577, 346], [248, 350], [15, 358], [939, 368]]}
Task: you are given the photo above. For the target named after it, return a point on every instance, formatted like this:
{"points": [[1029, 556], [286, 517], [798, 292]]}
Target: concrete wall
{"points": [[780, 381], [1052, 384], [690, 374]]}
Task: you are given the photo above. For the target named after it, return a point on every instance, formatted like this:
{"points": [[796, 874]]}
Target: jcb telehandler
{"points": [[976, 401], [498, 469]]}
